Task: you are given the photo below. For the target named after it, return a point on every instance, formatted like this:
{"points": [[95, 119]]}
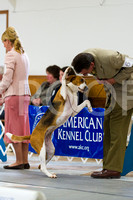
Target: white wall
{"points": [[54, 31], [3, 21]]}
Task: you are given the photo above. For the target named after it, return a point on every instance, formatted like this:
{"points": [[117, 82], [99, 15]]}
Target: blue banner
{"points": [[35, 114], [3, 155], [80, 136]]}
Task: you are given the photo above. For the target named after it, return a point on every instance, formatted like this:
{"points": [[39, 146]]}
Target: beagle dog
{"points": [[64, 105]]}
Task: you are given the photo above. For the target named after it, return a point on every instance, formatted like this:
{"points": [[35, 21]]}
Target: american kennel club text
{"points": [[82, 128]]}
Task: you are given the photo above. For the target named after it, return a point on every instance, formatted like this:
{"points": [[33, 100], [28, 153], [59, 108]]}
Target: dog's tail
{"points": [[15, 138]]}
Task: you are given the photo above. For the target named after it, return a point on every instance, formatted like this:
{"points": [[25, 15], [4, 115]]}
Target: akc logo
{"points": [[37, 119]]}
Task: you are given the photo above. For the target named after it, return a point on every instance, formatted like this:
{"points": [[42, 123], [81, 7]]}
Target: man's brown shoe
{"points": [[97, 172], [106, 174]]}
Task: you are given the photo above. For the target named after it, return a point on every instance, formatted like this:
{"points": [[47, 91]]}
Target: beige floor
{"points": [[63, 164], [73, 180]]}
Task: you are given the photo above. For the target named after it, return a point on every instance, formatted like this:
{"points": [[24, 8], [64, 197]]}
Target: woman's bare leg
{"points": [[25, 148], [19, 154]]}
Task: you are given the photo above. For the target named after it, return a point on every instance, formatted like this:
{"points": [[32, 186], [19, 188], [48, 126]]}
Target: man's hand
{"points": [[105, 81]]}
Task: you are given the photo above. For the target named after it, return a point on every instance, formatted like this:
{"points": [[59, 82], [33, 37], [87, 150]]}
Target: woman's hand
{"points": [[1, 101], [36, 102]]}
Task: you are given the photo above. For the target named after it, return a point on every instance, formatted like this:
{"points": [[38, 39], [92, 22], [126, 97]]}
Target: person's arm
{"points": [[8, 75], [47, 93], [105, 81], [124, 74], [44, 95], [36, 95], [54, 94], [126, 63]]}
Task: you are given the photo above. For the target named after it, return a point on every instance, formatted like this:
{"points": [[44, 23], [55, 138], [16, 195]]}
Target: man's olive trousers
{"points": [[115, 136]]}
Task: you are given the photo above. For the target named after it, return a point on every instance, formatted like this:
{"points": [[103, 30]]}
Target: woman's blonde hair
{"points": [[11, 34]]}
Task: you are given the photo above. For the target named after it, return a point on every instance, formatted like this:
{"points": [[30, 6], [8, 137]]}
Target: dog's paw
{"points": [[90, 109], [88, 104], [53, 175]]}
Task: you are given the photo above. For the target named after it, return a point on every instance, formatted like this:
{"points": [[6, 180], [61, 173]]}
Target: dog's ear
{"points": [[63, 91], [70, 78], [68, 74], [70, 71]]}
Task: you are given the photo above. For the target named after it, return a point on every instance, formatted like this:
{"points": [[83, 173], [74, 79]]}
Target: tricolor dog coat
{"points": [[63, 106]]}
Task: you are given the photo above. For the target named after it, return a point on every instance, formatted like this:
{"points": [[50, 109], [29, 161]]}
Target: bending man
{"points": [[114, 70]]}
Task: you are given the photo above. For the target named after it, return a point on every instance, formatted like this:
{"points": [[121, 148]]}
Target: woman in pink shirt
{"points": [[15, 90]]}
